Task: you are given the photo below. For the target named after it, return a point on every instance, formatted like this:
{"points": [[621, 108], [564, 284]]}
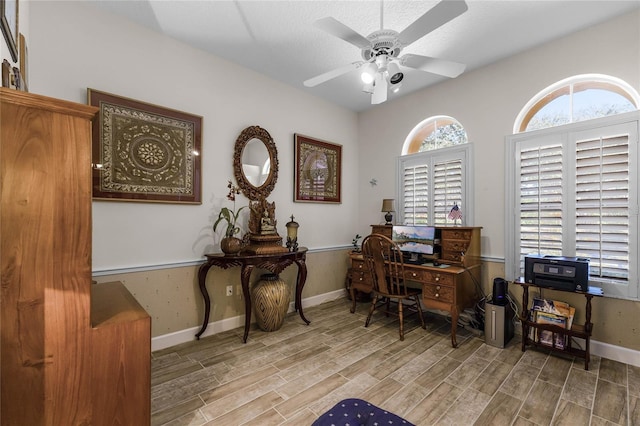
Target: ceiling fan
{"points": [[381, 49]]}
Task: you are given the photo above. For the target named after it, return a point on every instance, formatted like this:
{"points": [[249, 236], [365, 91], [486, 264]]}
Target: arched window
{"points": [[433, 133], [577, 98], [573, 181], [434, 174]]}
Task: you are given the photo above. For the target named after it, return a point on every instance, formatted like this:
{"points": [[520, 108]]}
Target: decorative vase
{"points": [[231, 245], [270, 301]]}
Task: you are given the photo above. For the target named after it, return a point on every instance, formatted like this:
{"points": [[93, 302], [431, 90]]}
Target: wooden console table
{"points": [[582, 331], [274, 263]]}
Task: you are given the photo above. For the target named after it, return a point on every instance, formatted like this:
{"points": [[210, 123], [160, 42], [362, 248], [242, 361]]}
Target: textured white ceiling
{"points": [[278, 39]]}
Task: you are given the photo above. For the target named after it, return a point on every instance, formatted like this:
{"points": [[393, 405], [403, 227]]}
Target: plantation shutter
{"points": [[416, 194], [540, 201], [602, 205], [431, 182], [447, 188]]}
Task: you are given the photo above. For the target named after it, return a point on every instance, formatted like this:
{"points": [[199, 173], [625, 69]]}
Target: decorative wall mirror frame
{"points": [[250, 139]]}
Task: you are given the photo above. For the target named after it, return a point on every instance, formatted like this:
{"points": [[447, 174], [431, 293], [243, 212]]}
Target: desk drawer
{"points": [[357, 263], [415, 275], [362, 278], [359, 274], [453, 256], [429, 277], [439, 292], [456, 234], [455, 245], [435, 277]]}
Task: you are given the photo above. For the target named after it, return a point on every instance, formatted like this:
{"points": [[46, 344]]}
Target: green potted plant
{"points": [[230, 244]]}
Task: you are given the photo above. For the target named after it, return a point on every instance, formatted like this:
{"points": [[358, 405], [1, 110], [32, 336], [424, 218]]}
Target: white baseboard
{"points": [[616, 353], [187, 335]]}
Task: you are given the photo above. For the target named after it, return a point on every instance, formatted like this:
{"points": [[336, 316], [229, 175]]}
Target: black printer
{"points": [[558, 272]]}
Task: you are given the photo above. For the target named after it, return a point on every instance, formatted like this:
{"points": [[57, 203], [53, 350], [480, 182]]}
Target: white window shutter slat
{"points": [[602, 205], [540, 201]]}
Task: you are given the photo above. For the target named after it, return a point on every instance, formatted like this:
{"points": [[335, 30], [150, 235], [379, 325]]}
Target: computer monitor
{"points": [[414, 240]]}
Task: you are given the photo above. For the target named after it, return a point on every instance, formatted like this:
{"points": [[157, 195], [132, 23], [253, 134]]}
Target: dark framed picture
{"points": [[9, 24], [318, 170], [145, 152]]}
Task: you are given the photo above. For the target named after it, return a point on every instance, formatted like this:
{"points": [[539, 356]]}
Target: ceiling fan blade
{"points": [[340, 30], [379, 89], [314, 81], [433, 65], [435, 17]]}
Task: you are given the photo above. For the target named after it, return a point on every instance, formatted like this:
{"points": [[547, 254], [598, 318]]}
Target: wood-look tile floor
{"points": [[291, 376]]}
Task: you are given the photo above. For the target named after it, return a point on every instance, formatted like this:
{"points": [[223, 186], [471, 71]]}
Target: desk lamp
{"points": [[387, 206]]}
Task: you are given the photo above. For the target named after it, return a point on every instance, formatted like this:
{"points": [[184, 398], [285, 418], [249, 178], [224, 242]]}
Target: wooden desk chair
{"points": [[383, 260]]}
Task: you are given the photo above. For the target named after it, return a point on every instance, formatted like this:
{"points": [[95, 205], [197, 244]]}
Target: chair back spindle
{"points": [[383, 260]]}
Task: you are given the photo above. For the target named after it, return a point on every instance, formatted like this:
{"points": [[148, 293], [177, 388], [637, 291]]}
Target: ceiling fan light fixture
{"points": [[395, 75], [380, 71], [379, 90], [368, 75]]}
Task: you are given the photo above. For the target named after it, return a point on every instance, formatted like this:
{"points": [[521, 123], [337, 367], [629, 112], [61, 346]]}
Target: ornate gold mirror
{"points": [[255, 163]]}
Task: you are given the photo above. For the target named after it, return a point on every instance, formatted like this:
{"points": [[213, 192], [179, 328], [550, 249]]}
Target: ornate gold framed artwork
{"points": [[318, 170], [145, 152]]}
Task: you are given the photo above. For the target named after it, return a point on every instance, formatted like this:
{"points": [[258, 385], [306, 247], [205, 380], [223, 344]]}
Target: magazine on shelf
{"points": [[546, 337], [556, 307], [554, 312]]}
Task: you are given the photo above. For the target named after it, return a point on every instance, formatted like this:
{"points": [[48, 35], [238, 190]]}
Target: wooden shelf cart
{"points": [[582, 331]]}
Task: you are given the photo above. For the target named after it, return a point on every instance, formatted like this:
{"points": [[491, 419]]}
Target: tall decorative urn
{"points": [[271, 301]]}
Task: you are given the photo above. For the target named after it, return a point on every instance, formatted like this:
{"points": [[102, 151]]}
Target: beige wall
{"points": [[173, 300]]}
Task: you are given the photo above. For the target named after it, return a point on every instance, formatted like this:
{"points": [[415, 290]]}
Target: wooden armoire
{"points": [[67, 358]]}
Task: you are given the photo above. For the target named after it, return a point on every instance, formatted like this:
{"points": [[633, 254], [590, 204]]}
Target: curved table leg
{"points": [[300, 280], [245, 274], [454, 326], [202, 282]]}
